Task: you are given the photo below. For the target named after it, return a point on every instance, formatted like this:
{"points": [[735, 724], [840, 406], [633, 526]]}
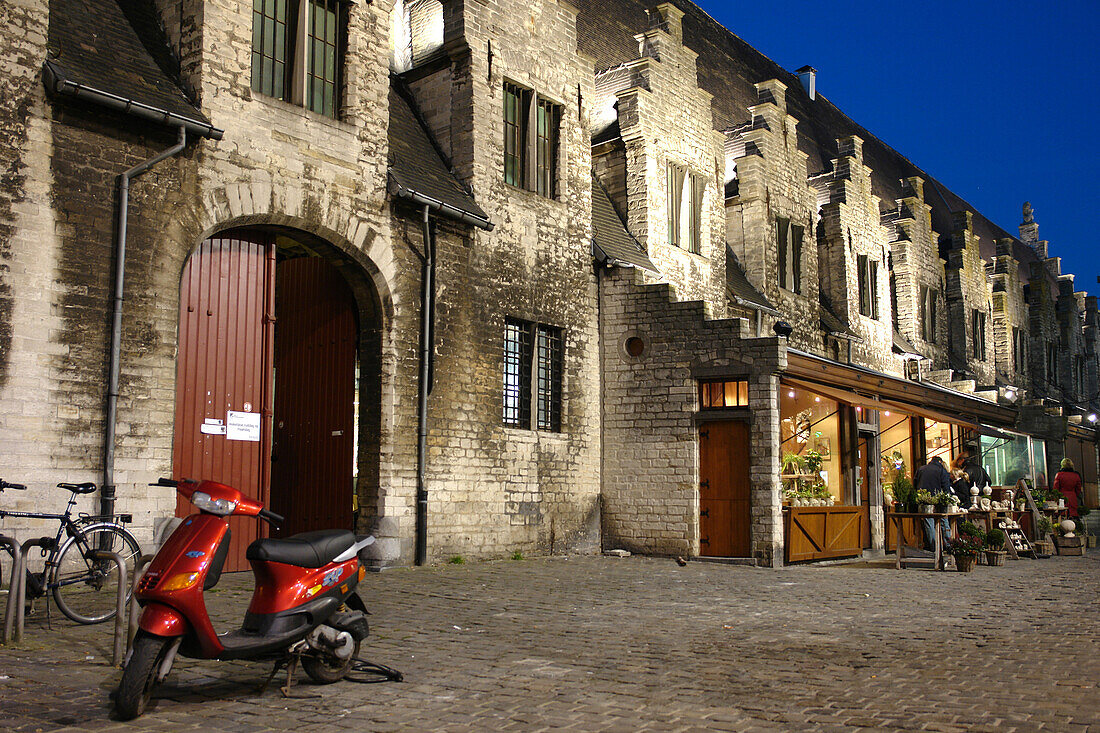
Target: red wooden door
{"points": [[224, 341], [315, 345], [725, 522]]}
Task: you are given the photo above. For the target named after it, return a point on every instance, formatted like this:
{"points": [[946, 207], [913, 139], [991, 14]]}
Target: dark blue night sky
{"points": [[998, 100]]}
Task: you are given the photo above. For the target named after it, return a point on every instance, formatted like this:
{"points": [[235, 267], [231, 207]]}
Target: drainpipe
{"points": [[107, 496], [427, 327]]}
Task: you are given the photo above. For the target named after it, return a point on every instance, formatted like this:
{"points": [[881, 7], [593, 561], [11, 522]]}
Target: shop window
{"points": [[298, 50], [809, 433], [896, 449], [531, 126], [977, 326], [928, 314], [939, 440], [867, 280], [789, 240], [713, 395], [532, 373]]}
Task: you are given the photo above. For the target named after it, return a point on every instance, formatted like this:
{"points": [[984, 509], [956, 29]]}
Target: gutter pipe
{"points": [[427, 337], [57, 83], [107, 496], [427, 318]]}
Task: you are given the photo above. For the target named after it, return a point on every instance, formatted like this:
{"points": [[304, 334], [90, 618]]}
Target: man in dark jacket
{"points": [[934, 478]]}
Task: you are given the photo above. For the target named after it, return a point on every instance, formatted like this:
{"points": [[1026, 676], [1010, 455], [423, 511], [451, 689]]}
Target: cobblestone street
{"points": [[597, 643]]}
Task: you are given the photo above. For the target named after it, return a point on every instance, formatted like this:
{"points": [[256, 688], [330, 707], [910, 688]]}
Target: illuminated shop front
{"points": [[1012, 457]]}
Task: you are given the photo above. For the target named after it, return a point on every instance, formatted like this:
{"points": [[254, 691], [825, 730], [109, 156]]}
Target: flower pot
{"points": [[1090, 540], [927, 508], [995, 558], [1043, 547], [965, 563]]}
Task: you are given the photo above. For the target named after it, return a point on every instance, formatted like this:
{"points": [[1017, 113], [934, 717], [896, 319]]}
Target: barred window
{"points": [[297, 51], [531, 127], [532, 375], [548, 395], [517, 373]]}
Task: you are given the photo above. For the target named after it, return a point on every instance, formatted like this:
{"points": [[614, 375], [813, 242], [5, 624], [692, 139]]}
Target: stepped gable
{"points": [[92, 43], [729, 67]]}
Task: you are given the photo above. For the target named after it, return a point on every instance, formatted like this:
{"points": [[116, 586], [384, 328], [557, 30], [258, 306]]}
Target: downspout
{"points": [[107, 496], [427, 318]]}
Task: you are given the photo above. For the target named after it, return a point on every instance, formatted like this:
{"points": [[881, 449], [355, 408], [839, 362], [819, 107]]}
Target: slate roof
{"points": [[417, 167], [903, 346], [741, 290], [728, 67], [95, 53], [610, 239], [833, 324]]}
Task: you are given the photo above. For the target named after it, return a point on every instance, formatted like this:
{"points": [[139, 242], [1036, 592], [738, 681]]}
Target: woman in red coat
{"points": [[1068, 482]]}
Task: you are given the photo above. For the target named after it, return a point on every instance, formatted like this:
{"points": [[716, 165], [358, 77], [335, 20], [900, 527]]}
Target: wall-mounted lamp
{"points": [[1092, 417], [782, 328], [1010, 394]]}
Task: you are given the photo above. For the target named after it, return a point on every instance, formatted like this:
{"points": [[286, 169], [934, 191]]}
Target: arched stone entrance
{"points": [[278, 378]]}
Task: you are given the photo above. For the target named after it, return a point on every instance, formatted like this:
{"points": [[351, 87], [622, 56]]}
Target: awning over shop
{"points": [[890, 392]]}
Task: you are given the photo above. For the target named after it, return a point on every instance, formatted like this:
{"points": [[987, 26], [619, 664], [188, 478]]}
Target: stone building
{"points": [[550, 276]]}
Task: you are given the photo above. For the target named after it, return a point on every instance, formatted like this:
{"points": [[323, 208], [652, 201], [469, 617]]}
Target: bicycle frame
{"points": [[67, 526]]}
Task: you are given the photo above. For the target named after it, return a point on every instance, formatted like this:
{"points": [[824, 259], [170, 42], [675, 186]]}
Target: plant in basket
{"points": [[994, 547], [965, 548]]}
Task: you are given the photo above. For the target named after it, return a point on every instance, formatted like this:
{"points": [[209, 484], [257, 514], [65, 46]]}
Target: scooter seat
{"points": [[305, 550]]}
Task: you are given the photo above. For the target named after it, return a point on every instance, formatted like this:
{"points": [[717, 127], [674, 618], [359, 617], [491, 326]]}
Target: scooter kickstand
{"points": [[292, 665], [274, 671]]}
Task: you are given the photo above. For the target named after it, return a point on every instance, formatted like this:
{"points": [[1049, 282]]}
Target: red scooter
{"points": [[304, 606]]}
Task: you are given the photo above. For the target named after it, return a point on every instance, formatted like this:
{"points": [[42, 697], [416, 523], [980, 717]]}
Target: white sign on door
{"points": [[242, 426]]}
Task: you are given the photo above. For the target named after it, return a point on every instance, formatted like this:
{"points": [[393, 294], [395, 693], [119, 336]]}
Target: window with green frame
{"points": [[297, 52], [531, 131]]}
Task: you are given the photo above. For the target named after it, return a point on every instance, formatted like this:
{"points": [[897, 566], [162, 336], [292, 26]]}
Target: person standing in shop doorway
{"points": [[934, 478]]}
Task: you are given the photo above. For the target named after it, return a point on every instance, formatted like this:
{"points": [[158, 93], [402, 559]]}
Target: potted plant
{"points": [[926, 500], [793, 463], [905, 494], [945, 502], [994, 543], [1044, 528], [1090, 538], [965, 549]]}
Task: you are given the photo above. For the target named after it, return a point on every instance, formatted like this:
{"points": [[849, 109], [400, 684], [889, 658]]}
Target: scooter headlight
{"points": [[207, 503]]}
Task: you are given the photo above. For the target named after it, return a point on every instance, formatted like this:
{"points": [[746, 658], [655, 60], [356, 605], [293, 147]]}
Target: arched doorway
{"points": [[267, 379]]}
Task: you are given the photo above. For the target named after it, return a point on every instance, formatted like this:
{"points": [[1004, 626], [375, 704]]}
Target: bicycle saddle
{"points": [[85, 488], [305, 550]]}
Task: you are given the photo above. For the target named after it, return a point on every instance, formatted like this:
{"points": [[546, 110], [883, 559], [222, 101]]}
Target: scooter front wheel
{"points": [[327, 668], [139, 677]]}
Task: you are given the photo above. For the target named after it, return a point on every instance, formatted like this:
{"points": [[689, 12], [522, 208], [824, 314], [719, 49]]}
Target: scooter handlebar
{"points": [[275, 520]]}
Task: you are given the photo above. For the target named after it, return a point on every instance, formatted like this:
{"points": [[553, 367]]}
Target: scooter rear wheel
{"points": [[140, 674], [327, 668]]}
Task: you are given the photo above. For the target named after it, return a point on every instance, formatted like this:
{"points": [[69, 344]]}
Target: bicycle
{"points": [[82, 587]]}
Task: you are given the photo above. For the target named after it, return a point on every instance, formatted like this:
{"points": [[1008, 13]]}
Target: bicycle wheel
{"points": [[85, 589]]}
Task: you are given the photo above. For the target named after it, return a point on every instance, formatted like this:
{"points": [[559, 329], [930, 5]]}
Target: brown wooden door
{"points": [[315, 346], [724, 492], [224, 339]]}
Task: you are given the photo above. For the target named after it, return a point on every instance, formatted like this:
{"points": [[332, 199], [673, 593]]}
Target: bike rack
{"points": [[13, 614], [139, 570], [120, 604], [21, 612]]}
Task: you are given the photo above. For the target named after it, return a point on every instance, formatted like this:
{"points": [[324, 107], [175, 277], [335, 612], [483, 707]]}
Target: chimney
{"points": [[808, 76]]}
